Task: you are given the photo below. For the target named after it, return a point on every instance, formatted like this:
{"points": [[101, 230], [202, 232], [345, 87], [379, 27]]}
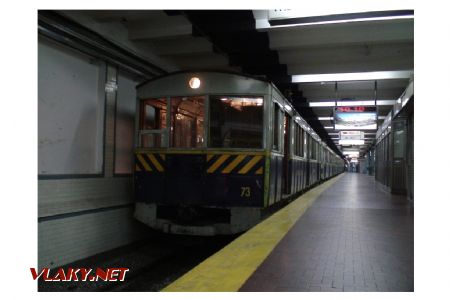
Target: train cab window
{"points": [[153, 114], [153, 120], [187, 121], [236, 122]]}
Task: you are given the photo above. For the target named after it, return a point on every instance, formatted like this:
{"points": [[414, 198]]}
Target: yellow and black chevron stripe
{"points": [[242, 164], [150, 162]]}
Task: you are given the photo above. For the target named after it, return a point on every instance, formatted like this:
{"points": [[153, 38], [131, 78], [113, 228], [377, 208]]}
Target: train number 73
{"points": [[245, 191]]}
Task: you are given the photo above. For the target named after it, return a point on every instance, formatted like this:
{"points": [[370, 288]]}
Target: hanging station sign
{"points": [[351, 135], [355, 117]]}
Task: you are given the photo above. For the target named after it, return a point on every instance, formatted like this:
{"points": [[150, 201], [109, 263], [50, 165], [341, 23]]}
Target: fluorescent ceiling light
{"points": [[406, 74], [325, 118], [356, 103], [321, 104], [350, 103], [325, 15], [261, 26], [351, 142], [328, 127]]}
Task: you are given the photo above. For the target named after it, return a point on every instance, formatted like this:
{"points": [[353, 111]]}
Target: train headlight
{"points": [[194, 83]]}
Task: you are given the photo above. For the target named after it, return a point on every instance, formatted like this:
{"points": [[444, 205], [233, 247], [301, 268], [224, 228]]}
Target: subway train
{"points": [[216, 152], [394, 148]]}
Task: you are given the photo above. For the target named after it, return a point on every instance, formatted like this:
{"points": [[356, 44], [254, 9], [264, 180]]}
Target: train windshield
{"points": [[181, 128], [153, 120], [236, 122], [187, 118]]}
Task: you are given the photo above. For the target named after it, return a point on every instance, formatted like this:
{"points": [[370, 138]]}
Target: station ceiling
{"points": [[250, 42]]}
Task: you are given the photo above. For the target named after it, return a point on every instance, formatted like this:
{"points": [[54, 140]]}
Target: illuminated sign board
{"points": [[355, 117], [351, 154], [351, 135]]}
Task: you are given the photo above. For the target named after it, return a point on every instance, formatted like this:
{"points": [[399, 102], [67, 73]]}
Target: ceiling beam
{"points": [[173, 27]]}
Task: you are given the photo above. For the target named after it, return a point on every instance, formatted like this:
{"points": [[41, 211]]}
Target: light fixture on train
{"points": [[194, 83], [287, 107]]}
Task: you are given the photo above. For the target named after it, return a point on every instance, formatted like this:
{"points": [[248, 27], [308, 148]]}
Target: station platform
{"points": [[345, 235]]}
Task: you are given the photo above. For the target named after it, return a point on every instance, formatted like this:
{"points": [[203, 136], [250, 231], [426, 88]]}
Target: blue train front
{"points": [[213, 152]]}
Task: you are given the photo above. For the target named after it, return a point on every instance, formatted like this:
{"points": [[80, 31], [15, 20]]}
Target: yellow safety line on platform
{"points": [[228, 269]]}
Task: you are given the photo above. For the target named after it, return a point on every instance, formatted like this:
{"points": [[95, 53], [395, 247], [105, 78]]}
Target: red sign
{"points": [[351, 109]]}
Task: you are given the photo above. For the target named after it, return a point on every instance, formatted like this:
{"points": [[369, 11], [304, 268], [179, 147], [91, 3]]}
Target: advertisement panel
{"points": [[355, 118]]}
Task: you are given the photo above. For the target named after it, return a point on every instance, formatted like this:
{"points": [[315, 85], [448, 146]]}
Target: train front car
{"points": [[200, 158]]}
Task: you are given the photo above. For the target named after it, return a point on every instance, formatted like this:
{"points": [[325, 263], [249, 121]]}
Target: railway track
{"points": [[154, 263]]}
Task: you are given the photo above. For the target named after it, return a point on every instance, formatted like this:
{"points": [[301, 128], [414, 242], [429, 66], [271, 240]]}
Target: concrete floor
{"points": [[355, 237]]}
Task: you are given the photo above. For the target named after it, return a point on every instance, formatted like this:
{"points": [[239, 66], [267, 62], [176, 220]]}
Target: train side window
{"points": [[317, 150], [312, 148], [187, 119], [276, 128], [302, 141], [153, 121], [299, 143], [309, 145], [296, 139], [305, 144], [236, 122]]}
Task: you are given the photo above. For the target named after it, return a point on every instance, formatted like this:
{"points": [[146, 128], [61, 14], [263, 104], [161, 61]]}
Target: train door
{"points": [[286, 154]]}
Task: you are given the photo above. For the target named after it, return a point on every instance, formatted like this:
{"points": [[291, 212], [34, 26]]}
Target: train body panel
{"points": [[219, 179]]}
